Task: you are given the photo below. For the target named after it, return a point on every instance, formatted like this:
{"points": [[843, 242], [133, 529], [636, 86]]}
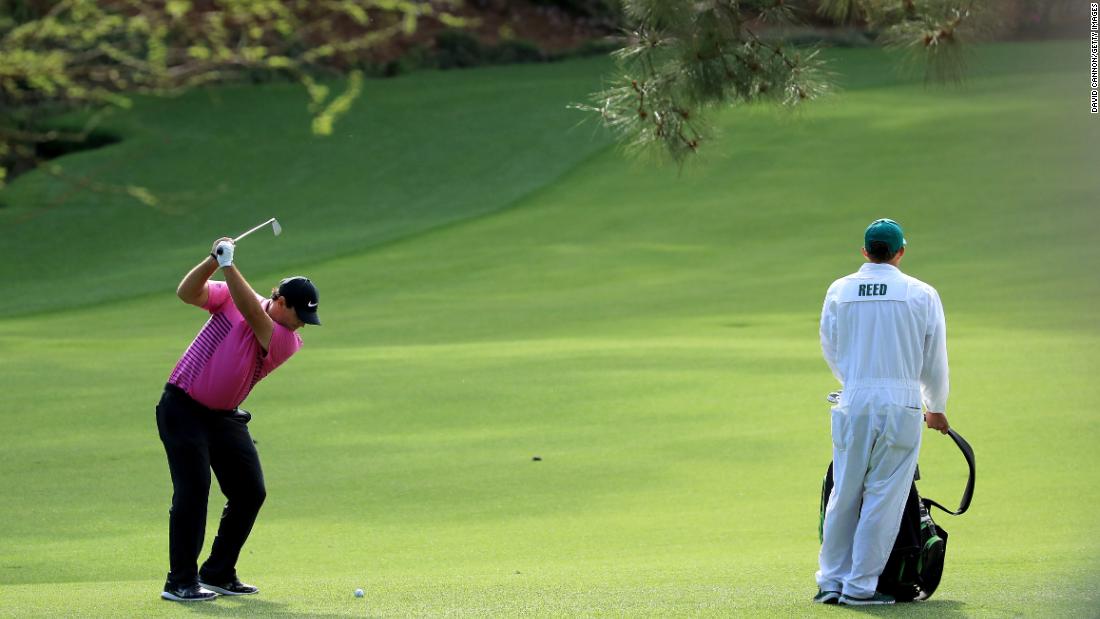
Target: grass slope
{"points": [[652, 337], [415, 153]]}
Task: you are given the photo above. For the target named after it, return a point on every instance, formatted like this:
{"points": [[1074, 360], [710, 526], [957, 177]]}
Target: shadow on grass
{"points": [[247, 606], [930, 608]]}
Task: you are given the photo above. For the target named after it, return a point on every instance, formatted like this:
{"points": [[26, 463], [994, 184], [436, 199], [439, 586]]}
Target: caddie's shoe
{"points": [[826, 597], [233, 587], [187, 593], [877, 598]]}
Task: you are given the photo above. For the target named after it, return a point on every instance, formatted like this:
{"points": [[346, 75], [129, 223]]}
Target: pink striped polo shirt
{"points": [[225, 361]]}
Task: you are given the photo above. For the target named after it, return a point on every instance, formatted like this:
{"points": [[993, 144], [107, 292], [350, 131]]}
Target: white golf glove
{"points": [[223, 253]]}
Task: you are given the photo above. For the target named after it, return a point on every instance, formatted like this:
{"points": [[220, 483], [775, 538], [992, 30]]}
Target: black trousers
{"points": [[198, 439]]}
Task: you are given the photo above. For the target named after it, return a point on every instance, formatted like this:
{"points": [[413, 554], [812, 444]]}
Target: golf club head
{"points": [[275, 227]]}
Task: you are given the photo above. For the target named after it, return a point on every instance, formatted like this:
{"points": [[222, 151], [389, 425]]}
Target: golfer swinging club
{"points": [[244, 340], [884, 337]]}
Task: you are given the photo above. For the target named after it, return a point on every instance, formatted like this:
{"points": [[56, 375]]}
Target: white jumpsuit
{"points": [[884, 337]]}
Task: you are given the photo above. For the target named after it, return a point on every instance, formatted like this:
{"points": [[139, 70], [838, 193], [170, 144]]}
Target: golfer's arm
{"points": [[249, 306], [192, 288]]}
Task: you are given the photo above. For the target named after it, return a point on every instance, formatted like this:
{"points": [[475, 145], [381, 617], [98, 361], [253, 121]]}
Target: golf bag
{"points": [[915, 565]]}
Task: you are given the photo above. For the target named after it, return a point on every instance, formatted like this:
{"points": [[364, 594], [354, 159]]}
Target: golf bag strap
{"points": [[968, 494]]}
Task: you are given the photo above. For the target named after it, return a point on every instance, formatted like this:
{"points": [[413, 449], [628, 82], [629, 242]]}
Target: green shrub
{"points": [[516, 51], [415, 58], [458, 49], [594, 47], [591, 8]]}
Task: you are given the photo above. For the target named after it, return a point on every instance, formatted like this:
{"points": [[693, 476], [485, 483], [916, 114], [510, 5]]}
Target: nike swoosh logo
{"points": [[311, 305]]}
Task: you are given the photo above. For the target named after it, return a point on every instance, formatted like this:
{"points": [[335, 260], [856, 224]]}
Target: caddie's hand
{"points": [[223, 253], [937, 421]]}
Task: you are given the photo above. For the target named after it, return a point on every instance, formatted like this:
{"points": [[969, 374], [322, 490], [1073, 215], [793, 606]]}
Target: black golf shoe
{"points": [[187, 593], [826, 597], [874, 600], [233, 587]]}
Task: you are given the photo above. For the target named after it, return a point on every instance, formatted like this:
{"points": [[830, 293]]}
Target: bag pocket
{"points": [[903, 425], [841, 428]]}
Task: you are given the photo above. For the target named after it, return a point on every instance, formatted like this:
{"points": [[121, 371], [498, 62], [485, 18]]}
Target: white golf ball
{"points": [[359, 593]]}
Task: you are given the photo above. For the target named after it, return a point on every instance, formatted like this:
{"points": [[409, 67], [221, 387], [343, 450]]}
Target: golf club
{"points": [[275, 227]]}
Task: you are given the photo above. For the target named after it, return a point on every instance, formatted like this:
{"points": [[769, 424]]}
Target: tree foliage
{"points": [[96, 54], [682, 58]]}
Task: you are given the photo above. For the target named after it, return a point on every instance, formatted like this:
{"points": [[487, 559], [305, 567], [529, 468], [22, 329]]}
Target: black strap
{"points": [[968, 494]]}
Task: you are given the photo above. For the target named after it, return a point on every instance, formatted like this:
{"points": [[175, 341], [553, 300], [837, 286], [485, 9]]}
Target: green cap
{"points": [[887, 231]]}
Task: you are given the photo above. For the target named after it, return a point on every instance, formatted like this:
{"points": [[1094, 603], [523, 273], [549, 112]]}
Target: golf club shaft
{"points": [[253, 230]]}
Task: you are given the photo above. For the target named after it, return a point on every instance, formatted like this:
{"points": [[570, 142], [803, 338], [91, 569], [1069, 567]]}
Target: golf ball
{"points": [[359, 593]]}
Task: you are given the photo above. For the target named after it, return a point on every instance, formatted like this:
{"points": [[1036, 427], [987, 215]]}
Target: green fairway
{"points": [[419, 152], [496, 288]]}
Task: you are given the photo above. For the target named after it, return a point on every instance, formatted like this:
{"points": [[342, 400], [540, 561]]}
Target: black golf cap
{"points": [[301, 294]]}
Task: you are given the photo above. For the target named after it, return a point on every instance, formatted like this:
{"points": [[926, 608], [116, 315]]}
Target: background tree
{"points": [[59, 56], [682, 58]]}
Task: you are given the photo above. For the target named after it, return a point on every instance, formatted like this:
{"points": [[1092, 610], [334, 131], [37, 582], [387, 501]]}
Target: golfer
{"points": [[201, 426], [884, 338]]}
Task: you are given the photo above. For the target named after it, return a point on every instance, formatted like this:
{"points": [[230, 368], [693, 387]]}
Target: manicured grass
{"points": [[415, 153], [650, 335]]}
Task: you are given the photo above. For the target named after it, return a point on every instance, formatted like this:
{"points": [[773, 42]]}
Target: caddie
{"points": [[884, 337], [201, 426]]}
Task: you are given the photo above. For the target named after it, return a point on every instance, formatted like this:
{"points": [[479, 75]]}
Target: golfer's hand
{"points": [[214, 247], [937, 421], [223, 253]]}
